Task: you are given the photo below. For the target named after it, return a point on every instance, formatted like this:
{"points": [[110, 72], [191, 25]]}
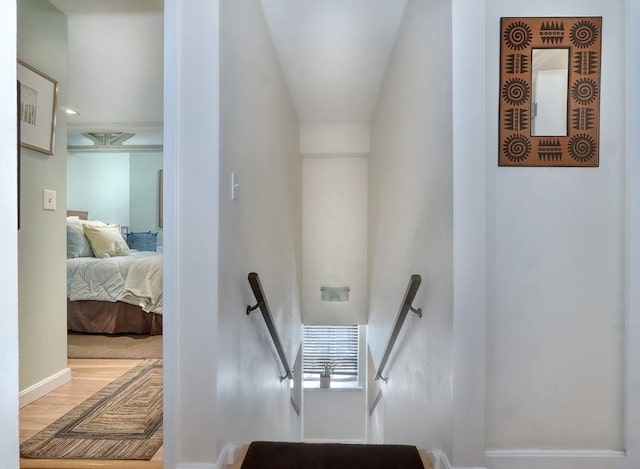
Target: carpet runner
{"points": [[279, 455]]}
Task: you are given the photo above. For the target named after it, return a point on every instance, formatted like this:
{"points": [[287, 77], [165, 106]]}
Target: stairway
{"points": [[426, 458]]}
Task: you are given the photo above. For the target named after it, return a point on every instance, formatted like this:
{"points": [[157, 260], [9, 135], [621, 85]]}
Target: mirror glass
{"points": [[550, 77]]}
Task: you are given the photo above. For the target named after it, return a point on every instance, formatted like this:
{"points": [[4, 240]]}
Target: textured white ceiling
{"points": [[333, 54]]}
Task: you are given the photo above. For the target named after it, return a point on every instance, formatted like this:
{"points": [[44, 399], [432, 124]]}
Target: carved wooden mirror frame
{"points": [[582, 36]]}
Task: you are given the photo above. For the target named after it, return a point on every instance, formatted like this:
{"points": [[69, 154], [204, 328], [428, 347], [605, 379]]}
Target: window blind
{"points": [[331, 344]]}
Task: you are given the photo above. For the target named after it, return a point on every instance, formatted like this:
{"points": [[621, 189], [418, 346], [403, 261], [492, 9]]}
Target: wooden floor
{"points": [[87, 377]]}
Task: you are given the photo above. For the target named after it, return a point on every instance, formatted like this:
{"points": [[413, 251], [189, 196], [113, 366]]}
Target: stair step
{"points": [[425, 456]]}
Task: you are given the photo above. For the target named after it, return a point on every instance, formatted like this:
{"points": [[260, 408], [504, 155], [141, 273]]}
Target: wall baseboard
{"points": [[554, 459], [442, 462], [44, 387], [225, 458]]}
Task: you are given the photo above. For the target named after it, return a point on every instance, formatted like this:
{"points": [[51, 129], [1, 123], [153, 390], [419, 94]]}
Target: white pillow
{"points": [[106, 241], [92, 223]]}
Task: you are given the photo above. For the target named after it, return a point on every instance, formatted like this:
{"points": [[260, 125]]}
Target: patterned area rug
{"points": [[121, 421]]}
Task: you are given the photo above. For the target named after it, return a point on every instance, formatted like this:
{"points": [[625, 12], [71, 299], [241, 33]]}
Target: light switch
{"points": [[49, 199]]}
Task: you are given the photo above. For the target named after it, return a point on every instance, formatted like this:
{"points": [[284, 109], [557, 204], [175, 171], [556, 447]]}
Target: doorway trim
{"points": [[9, 382]]}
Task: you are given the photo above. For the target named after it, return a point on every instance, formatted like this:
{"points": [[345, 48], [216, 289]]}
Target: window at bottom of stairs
{"points": [[334, 349]]}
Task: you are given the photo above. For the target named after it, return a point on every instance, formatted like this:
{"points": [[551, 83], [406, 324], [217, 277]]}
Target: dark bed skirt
{"points": [[103, 317]]}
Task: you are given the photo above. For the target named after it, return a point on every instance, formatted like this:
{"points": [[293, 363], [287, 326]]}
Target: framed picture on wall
{"points": [[38, 97]]}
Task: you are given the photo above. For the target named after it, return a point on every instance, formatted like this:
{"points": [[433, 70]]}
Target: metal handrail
{"points": [[405, 307], [258, 292]]}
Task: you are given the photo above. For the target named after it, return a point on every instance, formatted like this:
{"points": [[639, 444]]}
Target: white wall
{"points": [[632, 414], [469, 233], [334, 415], [334, 239], [190, 281], [118, 187], [556, 270], [99, 184], [260, 230], [8, 239], [331, 139], [410, 228], [42, 43]]}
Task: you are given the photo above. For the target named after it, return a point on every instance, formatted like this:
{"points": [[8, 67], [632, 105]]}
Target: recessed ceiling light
{"points": [[71, 112]]}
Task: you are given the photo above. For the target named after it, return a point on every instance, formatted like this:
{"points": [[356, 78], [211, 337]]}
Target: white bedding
{"points": [[89, 278], [143, 285]]}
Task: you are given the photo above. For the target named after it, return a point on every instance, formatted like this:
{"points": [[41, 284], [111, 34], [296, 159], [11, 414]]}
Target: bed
{"points": [[118, 292]]}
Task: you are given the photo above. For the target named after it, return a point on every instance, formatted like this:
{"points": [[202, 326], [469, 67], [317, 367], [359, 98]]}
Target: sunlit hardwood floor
{"points": [[87, 377]]}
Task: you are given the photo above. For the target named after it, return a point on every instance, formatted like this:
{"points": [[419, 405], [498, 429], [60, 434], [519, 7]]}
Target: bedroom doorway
{"points": [[107, 57], [114, 177]]}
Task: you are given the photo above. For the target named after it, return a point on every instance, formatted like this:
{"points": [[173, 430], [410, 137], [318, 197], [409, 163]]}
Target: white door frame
{"points": [[9, 417]]}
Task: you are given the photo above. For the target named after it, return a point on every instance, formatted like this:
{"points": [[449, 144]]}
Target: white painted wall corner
{"points": [[442, 462], [228, 455], [226, 458], [334, 139], [44, 387]]}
